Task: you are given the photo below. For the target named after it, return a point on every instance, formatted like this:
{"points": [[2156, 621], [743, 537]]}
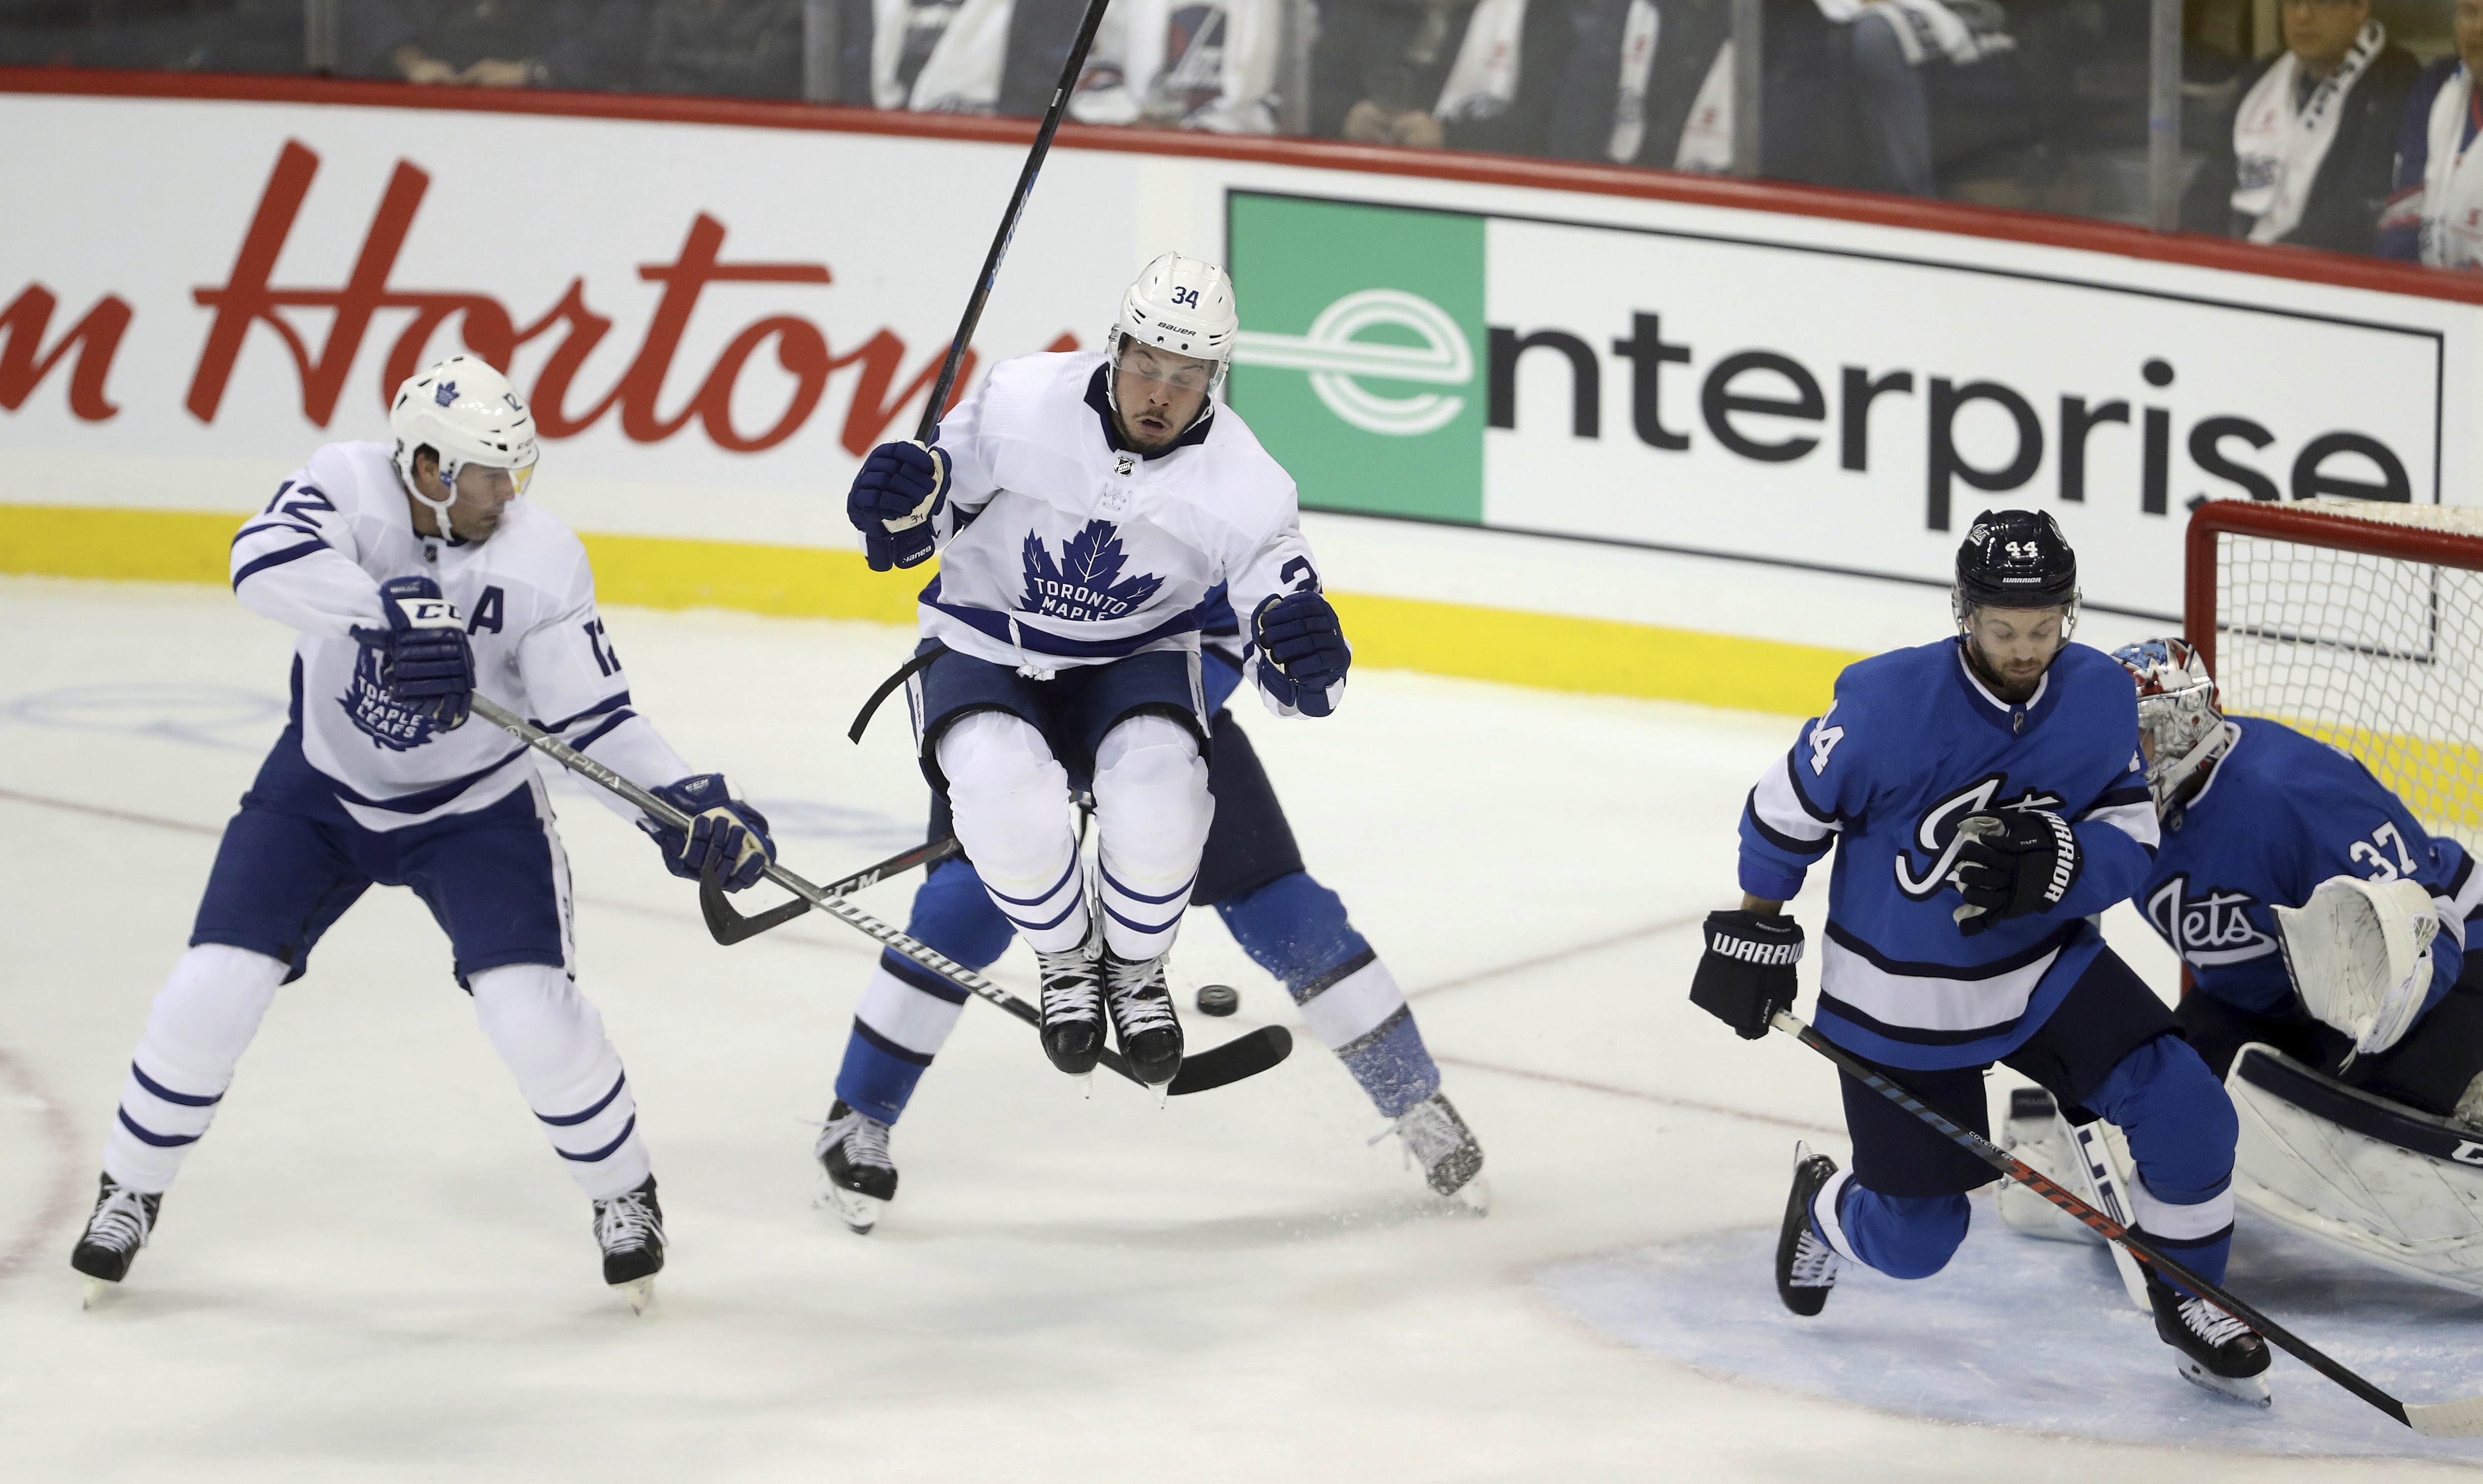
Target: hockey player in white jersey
{"points": [[417, 577], [1984, 797], [1090, 510]]}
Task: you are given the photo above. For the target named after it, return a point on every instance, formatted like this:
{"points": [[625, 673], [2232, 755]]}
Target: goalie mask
{"points": [[465, 413], [1183, 306], [2176, 715]]}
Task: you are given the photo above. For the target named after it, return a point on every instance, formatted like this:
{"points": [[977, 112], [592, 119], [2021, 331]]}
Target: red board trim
{"points": [[1993, 224], [2305, 527]]}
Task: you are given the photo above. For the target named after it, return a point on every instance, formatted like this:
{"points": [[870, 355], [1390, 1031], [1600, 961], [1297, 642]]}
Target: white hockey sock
{"points": [[1009, 798], [204, 1020], [906, 1017], [553, 1040], [1152, 809]]}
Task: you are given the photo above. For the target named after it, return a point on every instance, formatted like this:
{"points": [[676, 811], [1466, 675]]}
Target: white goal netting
{"points": [[2380, 655]]}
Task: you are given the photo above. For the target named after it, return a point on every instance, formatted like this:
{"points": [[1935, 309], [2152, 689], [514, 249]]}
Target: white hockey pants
{"points": [[1014, 816]]}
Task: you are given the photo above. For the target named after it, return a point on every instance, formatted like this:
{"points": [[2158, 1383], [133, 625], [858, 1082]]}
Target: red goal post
{"points": [[2359, 623]]}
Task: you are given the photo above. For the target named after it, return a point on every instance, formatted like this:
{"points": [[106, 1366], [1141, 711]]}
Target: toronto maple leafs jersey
{"points": [[315, 558], [1059, 547], [1912, 744], [2280, 813]]}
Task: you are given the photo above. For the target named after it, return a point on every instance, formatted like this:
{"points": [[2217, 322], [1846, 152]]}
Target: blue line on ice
{"points": [[2038, 1335]]}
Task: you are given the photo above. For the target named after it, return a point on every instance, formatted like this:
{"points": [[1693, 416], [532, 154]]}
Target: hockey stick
{"points": [[934, 408], [2463, 1419], [728, 926], [1242, 1056]]}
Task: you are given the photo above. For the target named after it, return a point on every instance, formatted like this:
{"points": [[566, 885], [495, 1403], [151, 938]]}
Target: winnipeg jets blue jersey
{"points": [[2278, 814], [1059, 547], [1913, 744], [315, 558]]}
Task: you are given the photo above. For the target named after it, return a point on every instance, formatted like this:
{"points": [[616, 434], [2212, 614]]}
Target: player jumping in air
{"points": [[1089, 511], [1251, 873], [2319, 920], [1984, 795], [417, 577]]}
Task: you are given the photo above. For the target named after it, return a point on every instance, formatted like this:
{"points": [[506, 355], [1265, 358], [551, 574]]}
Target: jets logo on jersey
{"points": [[1085, 584], [1935, 833], [2210, 930], [385, 721]]}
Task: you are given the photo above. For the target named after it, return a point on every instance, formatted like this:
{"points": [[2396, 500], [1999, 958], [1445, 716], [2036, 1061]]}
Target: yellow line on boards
{"points": [[1549, 652]]}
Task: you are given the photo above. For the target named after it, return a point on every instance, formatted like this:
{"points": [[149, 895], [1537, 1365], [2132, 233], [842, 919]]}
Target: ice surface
{"points": [[373, 1269]]}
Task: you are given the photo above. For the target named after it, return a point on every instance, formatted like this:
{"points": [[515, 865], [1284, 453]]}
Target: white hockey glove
{"points": [[2360, 955]]}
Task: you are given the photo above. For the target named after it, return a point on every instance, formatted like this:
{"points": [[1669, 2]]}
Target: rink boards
{"points": [[1596, 430]]}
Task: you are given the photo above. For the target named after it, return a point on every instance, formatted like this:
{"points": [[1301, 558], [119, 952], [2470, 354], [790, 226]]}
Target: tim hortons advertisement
{"points": [[1796, 402], [712, 309]]}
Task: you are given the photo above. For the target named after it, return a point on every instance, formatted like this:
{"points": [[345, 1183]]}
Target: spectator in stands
{"points": [[1185, 65], [953, 56], [724, 48], [1554, 77], [1668, 103], [2436, 216], [494, 43], [2304, 156], [1886, 95]]}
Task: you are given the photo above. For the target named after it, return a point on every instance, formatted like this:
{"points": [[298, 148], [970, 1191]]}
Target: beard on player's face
{"points": [[1159, 394], [2012, 647]]}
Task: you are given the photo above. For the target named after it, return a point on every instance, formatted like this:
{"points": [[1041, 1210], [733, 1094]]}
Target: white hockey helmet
{"points": [[1182, 305], [465, 413], [2177, 712]]}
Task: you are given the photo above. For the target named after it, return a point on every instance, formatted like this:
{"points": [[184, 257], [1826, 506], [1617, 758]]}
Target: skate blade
{"points": [[94, 1290], [1471, 1198], [858, 1211], [1164, 1094], [1086, 1081], [639, 1292], [2253, 1389]]}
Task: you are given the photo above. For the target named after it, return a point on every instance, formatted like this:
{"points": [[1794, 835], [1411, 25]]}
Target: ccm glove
{"points": [[2013, 864], [1746, 976], [900, 487], [425, 660], [723, 829], [1303, 652]]}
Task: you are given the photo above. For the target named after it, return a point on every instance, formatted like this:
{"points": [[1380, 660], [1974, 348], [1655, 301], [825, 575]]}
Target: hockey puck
{"points": [[1218, 999]]}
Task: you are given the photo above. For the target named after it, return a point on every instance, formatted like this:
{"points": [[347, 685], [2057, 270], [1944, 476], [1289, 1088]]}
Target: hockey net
{"points": [[2360, 623]]}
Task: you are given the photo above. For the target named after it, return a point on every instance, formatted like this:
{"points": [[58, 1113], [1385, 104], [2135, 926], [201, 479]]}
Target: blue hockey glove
{"points": [[1303, 652], [1747, 974], [722, 828], [425, 660], [900, 487], [2013, 864]]}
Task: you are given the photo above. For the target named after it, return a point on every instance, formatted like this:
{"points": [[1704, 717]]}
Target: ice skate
{"points": [[1073, 1008], [120, 1225], [860, 1177], [1440, 1142], [2219, 1353], [1805, 1264], [1142, 1017], [630, 1227]]}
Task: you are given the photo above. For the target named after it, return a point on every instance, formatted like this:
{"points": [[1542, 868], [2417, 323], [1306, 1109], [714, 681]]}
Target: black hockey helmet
{"points": [[2016, 559]]}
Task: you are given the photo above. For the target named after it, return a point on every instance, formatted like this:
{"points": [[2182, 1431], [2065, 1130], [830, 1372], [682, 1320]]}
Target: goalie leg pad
{"points": [[2357, 1172]]}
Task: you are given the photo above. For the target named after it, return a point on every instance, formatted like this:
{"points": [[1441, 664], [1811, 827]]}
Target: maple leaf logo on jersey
{"points": [[1085, 584]]}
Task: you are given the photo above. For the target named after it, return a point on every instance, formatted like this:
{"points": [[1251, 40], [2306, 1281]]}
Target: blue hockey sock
{"points": [[1903, 1237], [907, 1010], [1296, 930]]}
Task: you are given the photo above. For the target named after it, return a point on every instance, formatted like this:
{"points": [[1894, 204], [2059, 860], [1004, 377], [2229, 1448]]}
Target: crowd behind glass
{"points": [[2344, 124]]}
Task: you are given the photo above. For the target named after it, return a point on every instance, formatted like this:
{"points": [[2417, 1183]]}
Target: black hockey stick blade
{"points": [[728, 926], [1242, 1056]]}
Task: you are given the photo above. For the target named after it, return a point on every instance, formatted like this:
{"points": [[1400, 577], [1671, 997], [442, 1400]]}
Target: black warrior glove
{"points": [[1747, 976], [2013, 864]]}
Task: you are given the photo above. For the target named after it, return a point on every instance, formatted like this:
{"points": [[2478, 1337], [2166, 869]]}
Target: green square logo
{"points": [[1361, 346]]}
